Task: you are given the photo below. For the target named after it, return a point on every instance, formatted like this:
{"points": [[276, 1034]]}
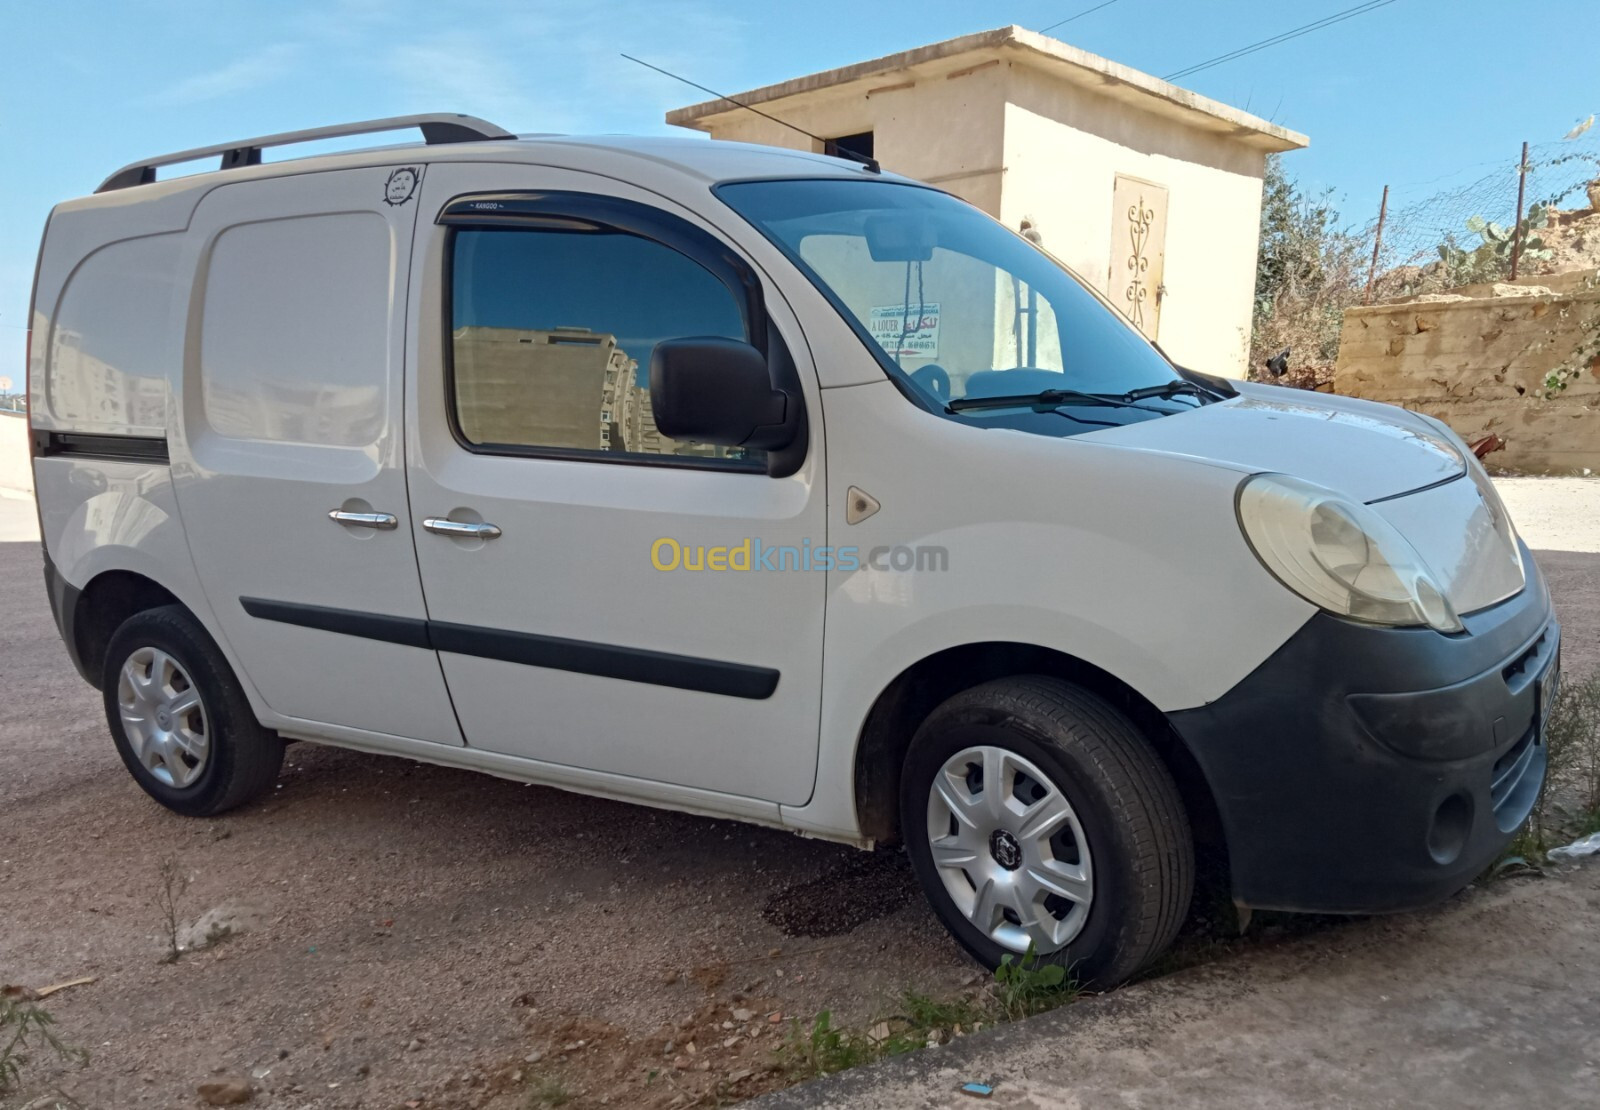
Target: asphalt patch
{"points": [[863, 887]]}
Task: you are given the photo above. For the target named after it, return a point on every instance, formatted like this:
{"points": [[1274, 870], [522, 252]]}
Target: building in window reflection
{"points": [[565, 387]]}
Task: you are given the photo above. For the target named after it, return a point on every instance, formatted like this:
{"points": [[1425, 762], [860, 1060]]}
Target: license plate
{"points": [[1549, 691]]}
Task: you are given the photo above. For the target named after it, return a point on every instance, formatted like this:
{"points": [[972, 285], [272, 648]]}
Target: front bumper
{"points": [[1364, 769]]}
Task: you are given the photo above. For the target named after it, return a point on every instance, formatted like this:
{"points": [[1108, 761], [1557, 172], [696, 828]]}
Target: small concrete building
{"points": [[1150, 192]]}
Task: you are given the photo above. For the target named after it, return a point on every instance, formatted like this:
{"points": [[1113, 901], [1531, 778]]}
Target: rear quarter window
{"points": [[111, 346], [294, 334]]}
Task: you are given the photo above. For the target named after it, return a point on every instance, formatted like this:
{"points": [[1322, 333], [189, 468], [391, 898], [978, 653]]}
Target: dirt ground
{"points": [[410, 936]]}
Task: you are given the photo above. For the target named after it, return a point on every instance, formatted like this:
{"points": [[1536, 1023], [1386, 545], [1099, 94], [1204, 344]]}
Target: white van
{"points": [[762, 484]]}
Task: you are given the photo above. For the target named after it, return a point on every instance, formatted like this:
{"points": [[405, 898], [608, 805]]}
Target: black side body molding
{"points": [[657, 668], [86, 446], [406, 631]]}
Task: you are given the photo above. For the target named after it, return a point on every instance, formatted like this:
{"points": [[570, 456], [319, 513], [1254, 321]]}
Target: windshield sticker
{"points": [[401, 186], [907, 331]]}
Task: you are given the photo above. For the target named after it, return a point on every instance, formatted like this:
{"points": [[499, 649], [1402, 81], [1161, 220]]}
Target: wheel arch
{"points": [[917, 690], [105, 602]]}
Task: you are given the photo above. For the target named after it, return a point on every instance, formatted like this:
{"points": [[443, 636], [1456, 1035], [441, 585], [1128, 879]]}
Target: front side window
{"points": [[953, 302], [551, 337]]}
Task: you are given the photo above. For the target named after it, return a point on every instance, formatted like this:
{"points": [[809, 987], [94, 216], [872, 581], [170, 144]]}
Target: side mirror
{"points": [[713, 390]]}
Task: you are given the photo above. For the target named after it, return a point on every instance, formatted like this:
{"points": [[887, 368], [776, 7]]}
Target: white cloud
{"points": [[462, 72], [237, 77], [557, 65]]}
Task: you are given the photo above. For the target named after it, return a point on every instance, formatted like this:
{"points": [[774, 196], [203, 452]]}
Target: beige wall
{"points": [[1018, 142], [1064, 151], [943, 129], [16, 464], [1480, 366]]}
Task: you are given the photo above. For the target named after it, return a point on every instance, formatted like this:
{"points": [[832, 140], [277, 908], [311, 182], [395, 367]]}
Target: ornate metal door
{"points": [[1138, 251]]}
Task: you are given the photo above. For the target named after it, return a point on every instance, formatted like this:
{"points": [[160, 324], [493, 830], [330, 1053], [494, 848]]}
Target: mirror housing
{"points": [[708, 389], [903, 235]]}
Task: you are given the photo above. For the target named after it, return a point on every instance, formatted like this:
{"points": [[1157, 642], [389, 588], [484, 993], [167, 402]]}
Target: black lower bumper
{"points": [[64, 607], [1364, 769]]}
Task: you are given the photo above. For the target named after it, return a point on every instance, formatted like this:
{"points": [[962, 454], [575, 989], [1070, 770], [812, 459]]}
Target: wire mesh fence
{"points": [[1466, 217], [1464, 230]]}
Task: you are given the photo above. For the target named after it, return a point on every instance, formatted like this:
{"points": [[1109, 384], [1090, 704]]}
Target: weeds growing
{"points": [[25, 1027], [546, 1093], [1021, 988], [1030, 986], [173, 885], [1569, 805]]}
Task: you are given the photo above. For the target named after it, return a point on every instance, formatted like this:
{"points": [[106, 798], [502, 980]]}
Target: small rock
{"points": [[775, 1018], [225, 1092], [217, 925], [739, 1076], [533, 1057], [727, 1025], [669, 1048], [414, 1046], [743, 1015], [879, 1032], [680, 1062]]}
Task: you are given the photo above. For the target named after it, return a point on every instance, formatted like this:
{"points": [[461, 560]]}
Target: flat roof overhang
{"points": [[951, 57]]}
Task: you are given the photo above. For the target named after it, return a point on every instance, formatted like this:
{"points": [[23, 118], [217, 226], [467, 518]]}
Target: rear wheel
{"points": [[180, 720], [1035, 814]]}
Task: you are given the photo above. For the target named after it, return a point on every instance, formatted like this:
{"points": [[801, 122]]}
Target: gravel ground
{"points": [[408, 935]]}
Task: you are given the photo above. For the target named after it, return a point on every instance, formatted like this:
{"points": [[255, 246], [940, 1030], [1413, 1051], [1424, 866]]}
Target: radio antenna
{"points": [[829, 146]]}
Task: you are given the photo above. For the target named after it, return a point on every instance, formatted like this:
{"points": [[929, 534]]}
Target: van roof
{"points": [[458, 138]]}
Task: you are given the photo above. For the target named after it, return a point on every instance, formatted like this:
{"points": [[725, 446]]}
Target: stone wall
{"points": [[1479, 362]]}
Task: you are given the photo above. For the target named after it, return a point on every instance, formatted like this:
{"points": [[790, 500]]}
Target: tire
{"points": [[1108, 889], [180, 720]]}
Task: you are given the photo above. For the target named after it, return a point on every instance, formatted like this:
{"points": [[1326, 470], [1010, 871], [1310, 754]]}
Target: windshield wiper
{"points": [[1048, 398], [1167, 389]]}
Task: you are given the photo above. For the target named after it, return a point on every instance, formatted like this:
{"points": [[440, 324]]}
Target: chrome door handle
{"points": [[383, 522], [461, 531]]}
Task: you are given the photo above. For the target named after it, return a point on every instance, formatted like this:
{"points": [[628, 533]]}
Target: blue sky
{"points": [[1409, 94]]}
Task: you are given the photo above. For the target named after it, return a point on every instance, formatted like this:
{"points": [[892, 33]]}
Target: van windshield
{"points": [[948, 298]]}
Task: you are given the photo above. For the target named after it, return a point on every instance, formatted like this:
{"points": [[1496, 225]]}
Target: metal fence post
{"points": [[1516, 228], [1377, 245]]}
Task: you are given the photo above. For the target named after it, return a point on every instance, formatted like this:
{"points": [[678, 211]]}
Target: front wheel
{"points": [[1036, 815], [180, 720]]}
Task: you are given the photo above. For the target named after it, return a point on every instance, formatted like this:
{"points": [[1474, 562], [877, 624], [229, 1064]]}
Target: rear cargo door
{"points": [[287, 448]]}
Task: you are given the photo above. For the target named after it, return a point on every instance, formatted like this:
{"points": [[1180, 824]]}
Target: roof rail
{"points": [[436, 127]]}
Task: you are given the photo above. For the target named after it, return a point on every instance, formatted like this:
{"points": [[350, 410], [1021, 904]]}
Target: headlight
{"points": [[1339, 555], [1486, 489]]}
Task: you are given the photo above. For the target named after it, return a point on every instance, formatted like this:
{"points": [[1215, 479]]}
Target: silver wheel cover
{"points": [[163, 717], [1013, 857]]}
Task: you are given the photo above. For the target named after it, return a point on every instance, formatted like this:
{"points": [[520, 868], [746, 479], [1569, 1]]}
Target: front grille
{"points": [[1521, 670], [1511, 768]]}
